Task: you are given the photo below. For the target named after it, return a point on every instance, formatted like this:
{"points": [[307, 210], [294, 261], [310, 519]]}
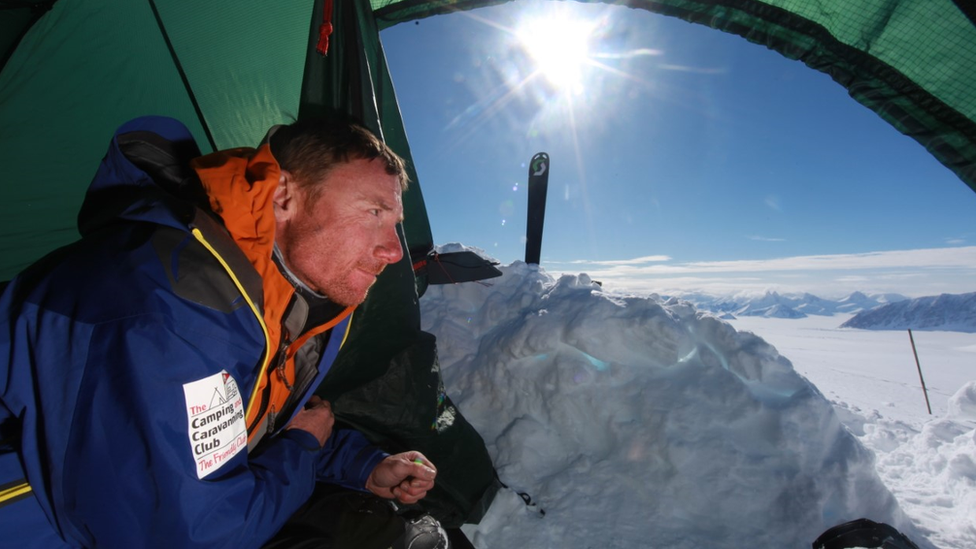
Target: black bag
{"points": [[406, 408], [863, 533], [339, 518]]}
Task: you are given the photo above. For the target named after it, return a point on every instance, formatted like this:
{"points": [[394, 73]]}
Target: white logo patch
{"points": [[215, 416]]}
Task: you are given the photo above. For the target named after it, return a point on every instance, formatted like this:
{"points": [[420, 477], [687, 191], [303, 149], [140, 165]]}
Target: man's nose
{"points": [[389, 250]]}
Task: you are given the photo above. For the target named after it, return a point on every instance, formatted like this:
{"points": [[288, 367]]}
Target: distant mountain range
{"points": [[950, 312], [956, 313], [775, 305]]}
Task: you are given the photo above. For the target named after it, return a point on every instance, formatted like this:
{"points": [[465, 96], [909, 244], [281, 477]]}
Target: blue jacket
{"points": [[128, 361]]}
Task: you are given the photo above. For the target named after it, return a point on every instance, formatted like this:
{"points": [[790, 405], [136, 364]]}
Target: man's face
{"points": [[339, 242]]}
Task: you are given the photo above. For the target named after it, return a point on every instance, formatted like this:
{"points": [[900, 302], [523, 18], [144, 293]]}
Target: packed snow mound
{"points": [[935, 468], [962, 405], [662, 425], [949, 312]]}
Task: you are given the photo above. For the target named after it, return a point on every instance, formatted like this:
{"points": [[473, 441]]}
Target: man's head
{"points": [[337, 206]]}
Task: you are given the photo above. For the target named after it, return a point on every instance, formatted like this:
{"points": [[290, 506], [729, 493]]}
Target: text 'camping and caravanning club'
{"points": [[215, 415]]}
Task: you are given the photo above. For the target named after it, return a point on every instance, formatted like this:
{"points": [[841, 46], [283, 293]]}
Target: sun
{"points": [[560, 47]]}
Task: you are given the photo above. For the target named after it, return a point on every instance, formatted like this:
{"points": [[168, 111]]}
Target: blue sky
{"points": [[682, 157]]}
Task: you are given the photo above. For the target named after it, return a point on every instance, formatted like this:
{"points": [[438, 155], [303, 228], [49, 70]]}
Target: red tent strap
{"points": [[326, 29], [437, 259]]}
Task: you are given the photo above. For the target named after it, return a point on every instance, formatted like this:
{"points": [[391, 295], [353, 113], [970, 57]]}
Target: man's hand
{"points": [[316, 419], [406, 477]]}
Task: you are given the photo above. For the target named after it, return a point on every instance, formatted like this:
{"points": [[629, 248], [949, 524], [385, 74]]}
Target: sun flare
{"points": [[559, 45]]}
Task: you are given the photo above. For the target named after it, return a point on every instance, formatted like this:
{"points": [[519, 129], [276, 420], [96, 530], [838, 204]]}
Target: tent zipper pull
{"points": [[325, 29]]}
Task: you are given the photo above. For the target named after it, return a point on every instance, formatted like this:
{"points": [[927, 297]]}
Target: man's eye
{"points": [[375, 212]]}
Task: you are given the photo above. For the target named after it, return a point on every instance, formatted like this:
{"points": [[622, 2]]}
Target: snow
{"points": [[873, 382], [636, 422]]}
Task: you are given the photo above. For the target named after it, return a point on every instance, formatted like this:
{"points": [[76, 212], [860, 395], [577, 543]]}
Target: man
{"points": [[155, 375]]}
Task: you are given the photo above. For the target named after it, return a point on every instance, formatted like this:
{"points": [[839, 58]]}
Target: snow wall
{"points": [[633, 422]]}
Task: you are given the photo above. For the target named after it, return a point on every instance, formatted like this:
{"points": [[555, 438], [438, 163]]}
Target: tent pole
{"points": [[186, 81], [919, 366]]}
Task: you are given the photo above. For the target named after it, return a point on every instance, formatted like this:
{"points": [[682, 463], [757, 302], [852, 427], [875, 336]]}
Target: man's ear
{"points": [[286, 197]]}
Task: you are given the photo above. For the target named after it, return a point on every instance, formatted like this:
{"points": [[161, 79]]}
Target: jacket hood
{"points": [[153, 172], [145, 176], [240, 186]]}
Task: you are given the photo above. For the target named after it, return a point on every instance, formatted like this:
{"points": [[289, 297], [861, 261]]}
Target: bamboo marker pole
{"points": [[919, 366]]}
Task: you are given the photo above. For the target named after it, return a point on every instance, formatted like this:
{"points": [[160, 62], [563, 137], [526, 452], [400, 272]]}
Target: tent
{"points": [[71, 71]]}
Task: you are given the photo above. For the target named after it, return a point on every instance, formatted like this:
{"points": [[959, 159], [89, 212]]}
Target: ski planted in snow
{"points": [[538, 185]]}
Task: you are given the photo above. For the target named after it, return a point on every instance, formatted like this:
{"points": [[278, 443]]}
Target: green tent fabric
{"points": [[84, 68], [229, 70], [74, 70]]}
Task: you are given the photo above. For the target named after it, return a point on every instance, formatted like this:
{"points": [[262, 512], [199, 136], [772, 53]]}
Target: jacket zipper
{"points": [[198, 234], [271, 419], [11, 493], [282, 360], [279, 369]]}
